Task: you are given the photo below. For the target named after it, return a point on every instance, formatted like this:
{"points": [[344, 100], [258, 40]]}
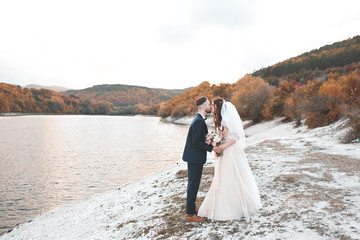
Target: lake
{"points": [[51, 160]]}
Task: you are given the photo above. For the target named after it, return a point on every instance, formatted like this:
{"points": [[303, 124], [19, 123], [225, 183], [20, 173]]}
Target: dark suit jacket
{"points": [[195, 147]]}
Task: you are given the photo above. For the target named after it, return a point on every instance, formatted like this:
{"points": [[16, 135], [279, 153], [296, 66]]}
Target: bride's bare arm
{"points": [[229, 142]]}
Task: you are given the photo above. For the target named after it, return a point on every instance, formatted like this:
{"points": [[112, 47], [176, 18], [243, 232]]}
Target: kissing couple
{"points": [[233, 192]]}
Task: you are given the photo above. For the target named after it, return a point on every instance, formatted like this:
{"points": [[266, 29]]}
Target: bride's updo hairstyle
{"points": [[217, 112]]}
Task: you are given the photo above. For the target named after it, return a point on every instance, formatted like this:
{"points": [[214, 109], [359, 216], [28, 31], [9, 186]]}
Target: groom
{"points": [[195, 156]]}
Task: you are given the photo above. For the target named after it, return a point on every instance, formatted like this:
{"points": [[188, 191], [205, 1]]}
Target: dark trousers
{"points": [[194, 177]]}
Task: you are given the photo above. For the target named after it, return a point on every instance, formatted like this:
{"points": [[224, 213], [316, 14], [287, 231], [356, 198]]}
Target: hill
{"points": [[183, 104], [341, 57], [127, 99], [318, 87], [52, 88], [17, 99]]}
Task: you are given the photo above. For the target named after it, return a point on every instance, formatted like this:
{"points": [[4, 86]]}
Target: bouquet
{"points": [[214, 138]]}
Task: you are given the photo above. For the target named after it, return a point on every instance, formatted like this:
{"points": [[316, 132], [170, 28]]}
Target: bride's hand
{"points": [[221, 148], [216, 149]]}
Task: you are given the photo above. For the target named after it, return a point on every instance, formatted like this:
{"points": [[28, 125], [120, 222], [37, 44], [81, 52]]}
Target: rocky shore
{"points": [[309, 184]]}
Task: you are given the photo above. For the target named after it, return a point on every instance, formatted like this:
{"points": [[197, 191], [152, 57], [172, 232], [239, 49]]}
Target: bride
{"points": [[233, 192]]}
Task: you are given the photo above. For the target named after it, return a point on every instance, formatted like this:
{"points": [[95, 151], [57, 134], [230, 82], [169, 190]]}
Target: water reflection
{"points": [[47, 161]]}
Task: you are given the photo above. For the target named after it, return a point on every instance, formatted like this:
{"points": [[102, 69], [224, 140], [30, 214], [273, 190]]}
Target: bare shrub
{"points": [[322, 110]]}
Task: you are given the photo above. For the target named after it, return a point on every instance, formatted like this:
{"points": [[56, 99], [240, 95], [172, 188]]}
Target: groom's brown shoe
{"points": [[194, 218]]}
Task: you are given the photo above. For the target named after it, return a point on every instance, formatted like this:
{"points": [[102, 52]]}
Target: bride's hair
{"points": [[217, 112]]}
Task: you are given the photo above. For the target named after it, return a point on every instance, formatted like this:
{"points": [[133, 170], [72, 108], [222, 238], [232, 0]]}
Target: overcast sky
{"points": [[161, 43]]}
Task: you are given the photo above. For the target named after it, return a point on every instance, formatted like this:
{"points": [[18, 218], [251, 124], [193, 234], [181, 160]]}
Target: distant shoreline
{"points": [[70, 114]]}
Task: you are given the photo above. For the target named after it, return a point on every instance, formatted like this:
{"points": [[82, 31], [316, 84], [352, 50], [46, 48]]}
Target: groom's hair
{"points": [[200, 100]]}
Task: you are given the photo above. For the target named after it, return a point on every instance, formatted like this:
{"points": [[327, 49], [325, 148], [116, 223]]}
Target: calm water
{"points": [[48, 161]]}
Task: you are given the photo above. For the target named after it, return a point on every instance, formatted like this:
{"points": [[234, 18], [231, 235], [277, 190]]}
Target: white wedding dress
{"points": [[233, 192]]}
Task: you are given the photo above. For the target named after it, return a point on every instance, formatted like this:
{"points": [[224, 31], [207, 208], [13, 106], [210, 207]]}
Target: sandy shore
{"points": [[309, 185]]}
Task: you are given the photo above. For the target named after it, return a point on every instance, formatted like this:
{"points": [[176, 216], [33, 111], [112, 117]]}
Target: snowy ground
{"points": [[309, 185]]}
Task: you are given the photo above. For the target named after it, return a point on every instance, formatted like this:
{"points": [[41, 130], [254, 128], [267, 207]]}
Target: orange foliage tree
{"points": [[351, 98], [296, 103], [223, 90], [249, 97], [325, 108], [275, 104], [184, 104]]}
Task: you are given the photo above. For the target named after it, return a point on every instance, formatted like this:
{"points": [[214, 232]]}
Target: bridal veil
{"points": [[231, 119]]}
